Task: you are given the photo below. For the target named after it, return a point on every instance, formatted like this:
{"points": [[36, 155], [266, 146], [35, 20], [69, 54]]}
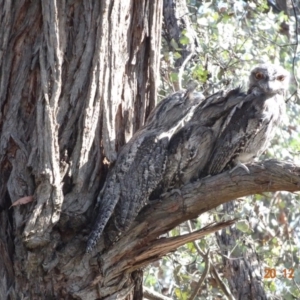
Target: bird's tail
{"points": [[107, 207]]}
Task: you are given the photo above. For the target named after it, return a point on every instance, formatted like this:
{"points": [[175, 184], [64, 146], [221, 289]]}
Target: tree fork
{"points": [[77, 80]]}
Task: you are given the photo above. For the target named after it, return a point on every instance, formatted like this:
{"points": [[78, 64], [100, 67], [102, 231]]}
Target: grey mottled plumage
{"points": [[250, 126], [140, 165], [187, 137]]}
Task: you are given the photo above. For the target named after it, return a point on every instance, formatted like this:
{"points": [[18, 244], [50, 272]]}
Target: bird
{"points": [[235, 128], [187, 137], [140, 165], [251, 125]]}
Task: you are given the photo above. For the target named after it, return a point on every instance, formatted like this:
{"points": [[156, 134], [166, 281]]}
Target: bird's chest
{"points": [[256, 143], [259, 130]]}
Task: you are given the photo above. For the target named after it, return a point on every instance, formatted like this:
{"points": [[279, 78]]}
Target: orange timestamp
{"points": [[270, 273]]}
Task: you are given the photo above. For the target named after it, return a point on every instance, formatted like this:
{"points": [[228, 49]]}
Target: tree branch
{"points": [[193, 200], [163, 246], [152, 295], [141, 245]]}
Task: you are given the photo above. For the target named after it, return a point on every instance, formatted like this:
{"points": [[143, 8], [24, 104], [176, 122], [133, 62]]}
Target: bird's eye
{"points": [[280, 78], [259, 75]]}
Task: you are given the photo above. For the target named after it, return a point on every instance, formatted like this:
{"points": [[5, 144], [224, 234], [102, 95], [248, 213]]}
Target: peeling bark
{"points": [[141, 245], [77, 79]]}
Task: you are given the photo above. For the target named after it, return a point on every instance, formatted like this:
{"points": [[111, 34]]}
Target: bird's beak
{"points": [[270, 86]]}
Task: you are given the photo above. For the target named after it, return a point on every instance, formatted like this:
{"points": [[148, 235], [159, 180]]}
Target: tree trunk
{"points": [[78, 78], [177, 26], [242, 267]]}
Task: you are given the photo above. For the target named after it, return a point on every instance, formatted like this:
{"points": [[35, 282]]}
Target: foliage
{"points": [[232, 37]]}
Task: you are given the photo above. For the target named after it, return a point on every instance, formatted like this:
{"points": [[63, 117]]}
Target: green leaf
{"points": [[243, 225], [184, 40], [174, 77]]}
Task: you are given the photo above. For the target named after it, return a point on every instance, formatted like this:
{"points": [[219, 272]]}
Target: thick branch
{"points": [[194, 199], [141, 244]]}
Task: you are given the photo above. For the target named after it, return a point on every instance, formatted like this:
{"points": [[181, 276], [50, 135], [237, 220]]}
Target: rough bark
{"points": [[176, 20], [176, 23], [141, 245], [77, 79], [243, 268]]}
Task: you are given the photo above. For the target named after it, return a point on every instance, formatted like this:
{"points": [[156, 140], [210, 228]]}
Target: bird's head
{"points": [[269, 79]]}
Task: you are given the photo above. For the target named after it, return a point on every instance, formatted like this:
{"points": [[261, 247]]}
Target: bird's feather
{"points": [[187, 137]]}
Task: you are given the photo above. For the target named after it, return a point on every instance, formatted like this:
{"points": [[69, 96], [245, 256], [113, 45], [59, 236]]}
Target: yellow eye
{"points": [[280, 78], [259, 75]]}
